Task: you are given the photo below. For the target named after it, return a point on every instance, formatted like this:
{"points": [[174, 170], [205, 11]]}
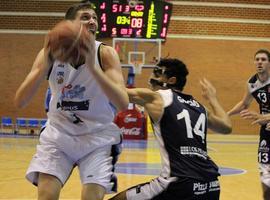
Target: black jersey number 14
{"points": [[198, 129]]}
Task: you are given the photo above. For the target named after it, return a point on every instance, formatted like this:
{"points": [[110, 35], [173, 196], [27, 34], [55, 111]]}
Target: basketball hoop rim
{"points": [[132, 3]]}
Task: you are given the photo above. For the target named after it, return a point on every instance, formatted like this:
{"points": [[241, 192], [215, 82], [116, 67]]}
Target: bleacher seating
{"points": [[7, 125], [21, 122], [24, 126], [43, 122], [33, 123], [21, 126]]}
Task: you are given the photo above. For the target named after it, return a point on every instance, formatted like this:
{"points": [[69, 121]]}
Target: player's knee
{"points": [[49, 187], [45, 193], [120, 196], [266, 194], [93, 196], [92, 192]]}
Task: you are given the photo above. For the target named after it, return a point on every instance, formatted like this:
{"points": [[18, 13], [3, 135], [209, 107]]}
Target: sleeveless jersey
{"points": [[181, 134], [261, 92], [78, 104]]}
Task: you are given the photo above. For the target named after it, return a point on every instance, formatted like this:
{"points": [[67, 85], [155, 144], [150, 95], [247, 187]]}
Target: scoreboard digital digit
{"points": [[144, 19]]}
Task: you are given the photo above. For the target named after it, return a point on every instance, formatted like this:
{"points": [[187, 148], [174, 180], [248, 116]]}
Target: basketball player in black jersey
{"points": [[258, 87], [180, 125]]}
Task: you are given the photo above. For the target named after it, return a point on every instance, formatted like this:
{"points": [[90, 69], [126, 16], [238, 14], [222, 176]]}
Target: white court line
{"points": [[212, 149]]}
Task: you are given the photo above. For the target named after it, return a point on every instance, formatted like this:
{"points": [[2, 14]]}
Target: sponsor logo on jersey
{"points": [[193, 151], [60, 77], [129, 119], [61, 65], [263, 146], [201, 188], [131, 131], [70, 92], [263, 143], [191, 102], [73, 106]]}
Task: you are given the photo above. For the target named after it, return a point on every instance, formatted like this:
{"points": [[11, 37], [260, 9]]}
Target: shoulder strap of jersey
{"points": [[167, 97], [98, 56]]}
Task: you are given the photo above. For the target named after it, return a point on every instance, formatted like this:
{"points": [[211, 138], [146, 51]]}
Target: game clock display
{"points": [[144, 19]]}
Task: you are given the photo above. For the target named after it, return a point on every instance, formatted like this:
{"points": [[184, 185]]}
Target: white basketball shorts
{"points": [[95, 155]]}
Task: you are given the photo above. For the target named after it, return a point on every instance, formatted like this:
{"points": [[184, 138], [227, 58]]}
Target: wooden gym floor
{"points": [[235, 154]]}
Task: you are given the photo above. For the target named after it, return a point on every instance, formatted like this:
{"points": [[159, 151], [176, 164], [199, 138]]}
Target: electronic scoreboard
{"points": [[133, 18]]}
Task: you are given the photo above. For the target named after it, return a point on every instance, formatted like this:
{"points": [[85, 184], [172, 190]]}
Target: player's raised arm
{"points": [[241, 105], [151, 100], [35, 77], [218, 119]]}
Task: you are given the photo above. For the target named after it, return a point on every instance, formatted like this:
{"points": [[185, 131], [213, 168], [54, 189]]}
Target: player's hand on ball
{"points": [[67, 40]]}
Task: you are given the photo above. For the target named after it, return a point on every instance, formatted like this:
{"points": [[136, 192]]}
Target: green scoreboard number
{"points": [[144, 19]]}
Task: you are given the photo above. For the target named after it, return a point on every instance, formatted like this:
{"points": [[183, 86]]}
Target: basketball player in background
{"points": [[180, 126], [80, 130], [258, 87]]}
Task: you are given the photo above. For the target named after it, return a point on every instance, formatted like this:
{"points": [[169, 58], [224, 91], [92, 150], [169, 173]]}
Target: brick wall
{"points": [[176, 27], [219, 28], [232, 1], [35, 6], [221, 12], [228, 64]]}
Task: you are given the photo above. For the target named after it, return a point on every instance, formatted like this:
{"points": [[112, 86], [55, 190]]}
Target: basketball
{"points": [[66, 41]]}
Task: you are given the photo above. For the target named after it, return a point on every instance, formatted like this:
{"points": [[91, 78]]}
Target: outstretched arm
{"points": [[241, 105], [256, 117], [33, 80], [149, 99], [218, 119]]}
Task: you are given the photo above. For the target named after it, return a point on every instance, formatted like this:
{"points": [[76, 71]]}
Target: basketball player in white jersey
{"points": [[180, 126], [80, 130], [258, 87]]}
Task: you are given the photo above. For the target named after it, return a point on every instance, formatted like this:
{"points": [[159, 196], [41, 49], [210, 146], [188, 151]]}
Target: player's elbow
{"points": [[223, 126], [123, 105], [245, 106], [227, 129], [18, 103]]}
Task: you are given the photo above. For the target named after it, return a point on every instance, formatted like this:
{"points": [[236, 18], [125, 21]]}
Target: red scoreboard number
{"points": [[147, 19]]}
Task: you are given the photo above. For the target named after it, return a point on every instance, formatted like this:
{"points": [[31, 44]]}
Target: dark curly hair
{"points": [[175, 68]]}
